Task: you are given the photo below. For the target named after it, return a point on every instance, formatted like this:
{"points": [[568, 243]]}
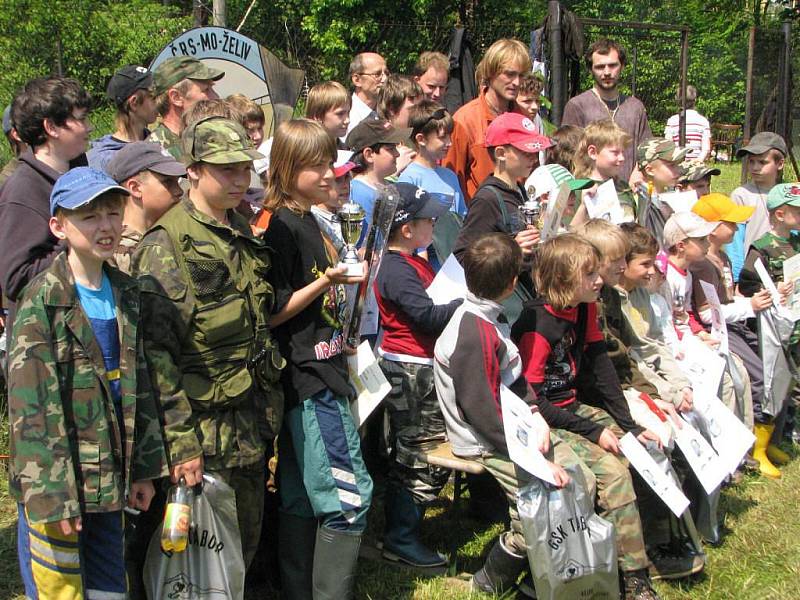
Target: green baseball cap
{"points": [[784, 193], [659, 149], [218, 141], [177, 68]]}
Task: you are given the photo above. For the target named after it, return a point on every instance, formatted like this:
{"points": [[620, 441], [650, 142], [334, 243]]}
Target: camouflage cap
{"points": [[784, 193], [658, 149], [695, 170], [177, 68], [218, 141]]}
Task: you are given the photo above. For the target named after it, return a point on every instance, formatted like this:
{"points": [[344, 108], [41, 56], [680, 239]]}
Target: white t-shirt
{"points": [[698, 133]]}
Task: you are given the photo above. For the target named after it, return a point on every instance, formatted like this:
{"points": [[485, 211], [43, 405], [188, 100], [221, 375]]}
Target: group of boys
{"points": [[116, 383]]}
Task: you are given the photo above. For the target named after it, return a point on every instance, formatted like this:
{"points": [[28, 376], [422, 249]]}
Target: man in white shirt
{"points": [[698, 131], [368, 73]]}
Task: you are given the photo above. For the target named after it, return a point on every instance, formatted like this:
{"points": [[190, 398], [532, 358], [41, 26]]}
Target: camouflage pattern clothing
{"points": [[215, 368], [177, 68], [772, 250], [128, 242], [615, 494], [171, 142], [66, 442], [415, 420], [659, 149]]}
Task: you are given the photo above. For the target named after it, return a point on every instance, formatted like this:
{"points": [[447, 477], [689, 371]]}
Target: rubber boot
{"points": [[400, 539], [335, 558], [500, 571], [763, 433], [777, 456], [296, 537]]}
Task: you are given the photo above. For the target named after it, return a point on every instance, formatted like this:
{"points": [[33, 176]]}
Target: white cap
{"points": [[684, 225]]}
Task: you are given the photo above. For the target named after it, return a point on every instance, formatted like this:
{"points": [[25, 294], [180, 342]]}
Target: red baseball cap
{"points": [[517, 130]]}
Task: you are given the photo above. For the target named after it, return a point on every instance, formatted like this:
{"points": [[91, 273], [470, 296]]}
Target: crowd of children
{"points": [[164, 325]]}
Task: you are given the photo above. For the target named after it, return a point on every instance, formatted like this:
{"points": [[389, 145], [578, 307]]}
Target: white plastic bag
{"points": [[572, 552], [212, 566]]}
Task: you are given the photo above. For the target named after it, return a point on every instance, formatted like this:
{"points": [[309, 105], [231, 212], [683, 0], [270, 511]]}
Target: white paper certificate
{"points": [[604, 204], [766, 280], [706, 464], [679, 201], [729, 436], [791, 274], [521, 436], [719, 330], [368, 379], [702, 365], [661, 483], [449, 283]]}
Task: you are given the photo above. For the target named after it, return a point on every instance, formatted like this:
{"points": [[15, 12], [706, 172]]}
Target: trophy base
{"points": [[352, 269]]}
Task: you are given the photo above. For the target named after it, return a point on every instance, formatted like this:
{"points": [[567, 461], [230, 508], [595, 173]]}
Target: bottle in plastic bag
{"points": [[177, 518]]}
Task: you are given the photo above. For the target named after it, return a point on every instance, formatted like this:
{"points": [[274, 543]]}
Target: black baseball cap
{"points": [[136, 157], [127, 81], [371, 132], [416, 203]]}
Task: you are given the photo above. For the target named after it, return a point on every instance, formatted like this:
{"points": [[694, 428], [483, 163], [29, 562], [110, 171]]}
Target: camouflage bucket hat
{"points": [[177, 68], [217, 141], [658, 149], [695, 170]]}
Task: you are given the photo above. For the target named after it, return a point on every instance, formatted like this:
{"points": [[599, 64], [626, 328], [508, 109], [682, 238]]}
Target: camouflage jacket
{"points": [[168, 140], [66, 450], [772, 250], [128, 242], [215, 368]]}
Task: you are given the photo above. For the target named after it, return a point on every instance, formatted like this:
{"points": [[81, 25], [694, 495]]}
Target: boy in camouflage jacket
{"points": [[85, 432]]}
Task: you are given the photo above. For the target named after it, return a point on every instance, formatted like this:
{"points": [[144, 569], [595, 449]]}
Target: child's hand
{"points": [[785, 289], [761, 300], [527, 240], [142, 493], [708, 340], [581, 215], [687, 400], [191, 470], [559, 474], [668, 409], [608, 441], [70, 526], [406, 156], [648, 436], [336, 275], [542, 430]]}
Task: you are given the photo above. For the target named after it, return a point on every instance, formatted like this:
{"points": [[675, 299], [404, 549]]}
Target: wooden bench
{"points": [[441, 454]]}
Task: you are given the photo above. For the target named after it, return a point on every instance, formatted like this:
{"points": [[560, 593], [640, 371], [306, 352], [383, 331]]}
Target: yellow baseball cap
{"points": [[718, 207]]}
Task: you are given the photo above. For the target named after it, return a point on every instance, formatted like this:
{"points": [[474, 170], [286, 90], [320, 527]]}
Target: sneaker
{"points": [[636, 586], [666, 565]]}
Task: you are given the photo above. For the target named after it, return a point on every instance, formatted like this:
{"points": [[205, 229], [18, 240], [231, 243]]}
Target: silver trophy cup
{"points": [[531, 212], [351, 218]]}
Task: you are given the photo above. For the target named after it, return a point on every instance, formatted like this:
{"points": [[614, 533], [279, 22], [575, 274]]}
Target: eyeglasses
{"points": [[377, 74]]}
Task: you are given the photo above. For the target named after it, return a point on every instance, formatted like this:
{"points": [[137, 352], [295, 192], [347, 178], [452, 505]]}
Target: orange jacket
{"points": [[468, 156]]}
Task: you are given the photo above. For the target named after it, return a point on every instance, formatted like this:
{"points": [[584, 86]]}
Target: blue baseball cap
{"points": [[79, 186], [416, 203]]}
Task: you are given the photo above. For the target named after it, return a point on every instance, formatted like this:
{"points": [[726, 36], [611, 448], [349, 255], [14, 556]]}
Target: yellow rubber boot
{"points": [[763, 433], [777, 456]]}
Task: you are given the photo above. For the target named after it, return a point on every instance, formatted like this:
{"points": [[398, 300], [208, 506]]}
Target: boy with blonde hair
{"points": [[601, 155], [431, 72]]}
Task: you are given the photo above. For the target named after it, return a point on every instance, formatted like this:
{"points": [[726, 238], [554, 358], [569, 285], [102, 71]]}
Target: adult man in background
{"points": [[606, 59], [368, 73], [698, 129], [498, 76], [431, 72], [179, 83]]}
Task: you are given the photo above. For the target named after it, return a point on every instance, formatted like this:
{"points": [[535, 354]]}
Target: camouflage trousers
{"points": [[616, 498], [415, 420], [249, 484]]}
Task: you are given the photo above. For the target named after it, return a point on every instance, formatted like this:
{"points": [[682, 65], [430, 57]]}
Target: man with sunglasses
{"points": [[368, 73]]}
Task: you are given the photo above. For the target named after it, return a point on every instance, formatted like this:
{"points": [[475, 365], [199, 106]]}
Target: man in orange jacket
{"points": [[498, 76]]}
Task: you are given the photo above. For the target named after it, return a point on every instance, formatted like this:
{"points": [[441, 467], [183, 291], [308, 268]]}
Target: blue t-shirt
{"points": [[101, 310], [440, 182], [364, 195]]}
